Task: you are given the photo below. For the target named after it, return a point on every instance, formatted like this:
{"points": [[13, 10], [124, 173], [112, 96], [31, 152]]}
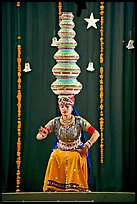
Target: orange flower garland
{"points": [[19, 95], [60, 10], [101, 81]]}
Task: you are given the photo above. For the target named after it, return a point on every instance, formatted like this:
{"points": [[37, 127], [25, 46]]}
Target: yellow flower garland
{"points": [[60, 10], [19, 95], [101, 81]]}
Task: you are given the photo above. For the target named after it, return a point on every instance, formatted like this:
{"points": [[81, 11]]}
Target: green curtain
{"points": [[38, 24]]}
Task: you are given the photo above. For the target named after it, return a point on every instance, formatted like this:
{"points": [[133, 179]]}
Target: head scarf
{"points": [[66, 100]]}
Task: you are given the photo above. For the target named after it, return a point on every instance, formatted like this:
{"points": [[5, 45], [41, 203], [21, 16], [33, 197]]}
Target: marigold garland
{"points": [[101, 81], [60, 10], [19, 95]]}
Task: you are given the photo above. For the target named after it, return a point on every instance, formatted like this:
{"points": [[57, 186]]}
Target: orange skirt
{"points": [[66, 171]]}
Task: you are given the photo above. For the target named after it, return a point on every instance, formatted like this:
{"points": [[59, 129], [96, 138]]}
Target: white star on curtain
{"points": [[91, 21]]}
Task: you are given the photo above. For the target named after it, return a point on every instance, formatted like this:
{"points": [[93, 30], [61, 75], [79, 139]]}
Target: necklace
{"points": [[67, 123]]}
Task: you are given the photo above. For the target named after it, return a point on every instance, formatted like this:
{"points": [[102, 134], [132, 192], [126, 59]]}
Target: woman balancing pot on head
{"points": [[67, 168]]}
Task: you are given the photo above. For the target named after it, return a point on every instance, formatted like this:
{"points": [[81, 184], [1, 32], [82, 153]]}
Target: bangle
{"points": [[47, 130], [88, 144]]}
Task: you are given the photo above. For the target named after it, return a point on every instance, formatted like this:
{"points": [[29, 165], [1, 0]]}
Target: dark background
{"points": [[38, 24]]}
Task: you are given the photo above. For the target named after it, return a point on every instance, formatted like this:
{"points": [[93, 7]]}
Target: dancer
{"points": [[67, 168]]}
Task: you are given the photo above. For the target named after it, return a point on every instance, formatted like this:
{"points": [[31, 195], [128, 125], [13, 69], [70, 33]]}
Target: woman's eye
{"points": [[67, 106]]}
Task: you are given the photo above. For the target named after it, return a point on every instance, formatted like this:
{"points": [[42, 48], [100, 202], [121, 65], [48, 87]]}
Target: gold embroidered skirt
{"points": [[66, 171]]}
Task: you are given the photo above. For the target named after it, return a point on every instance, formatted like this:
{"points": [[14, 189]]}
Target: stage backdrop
{"points": [[38, 24]]}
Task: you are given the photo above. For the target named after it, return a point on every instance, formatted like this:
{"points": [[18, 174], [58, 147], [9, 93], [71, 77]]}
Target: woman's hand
{"points": [[42, 133], [39, 136], [83, 151]]}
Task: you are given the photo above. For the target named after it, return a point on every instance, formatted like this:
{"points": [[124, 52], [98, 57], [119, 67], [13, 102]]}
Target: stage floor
{"points": [[69, 197]]}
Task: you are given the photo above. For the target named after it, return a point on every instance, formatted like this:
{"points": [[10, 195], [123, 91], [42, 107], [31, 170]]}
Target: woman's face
{"points": [[65, 109]]}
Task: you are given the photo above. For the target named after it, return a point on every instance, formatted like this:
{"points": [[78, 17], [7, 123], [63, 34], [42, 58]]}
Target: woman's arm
{"points": [[92, 139], [43, 132], [89, 143], [48, 128]]}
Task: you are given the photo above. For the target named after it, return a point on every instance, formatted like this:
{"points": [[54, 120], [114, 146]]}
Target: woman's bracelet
{"points": [[88, 144]]}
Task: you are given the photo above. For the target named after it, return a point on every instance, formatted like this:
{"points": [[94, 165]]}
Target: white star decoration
{"points": [[91, 21]]}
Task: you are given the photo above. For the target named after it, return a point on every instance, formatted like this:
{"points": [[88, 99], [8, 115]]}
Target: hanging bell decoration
{"points": [[130, 44], [54, 41], [90, 67], [27, 67]]}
